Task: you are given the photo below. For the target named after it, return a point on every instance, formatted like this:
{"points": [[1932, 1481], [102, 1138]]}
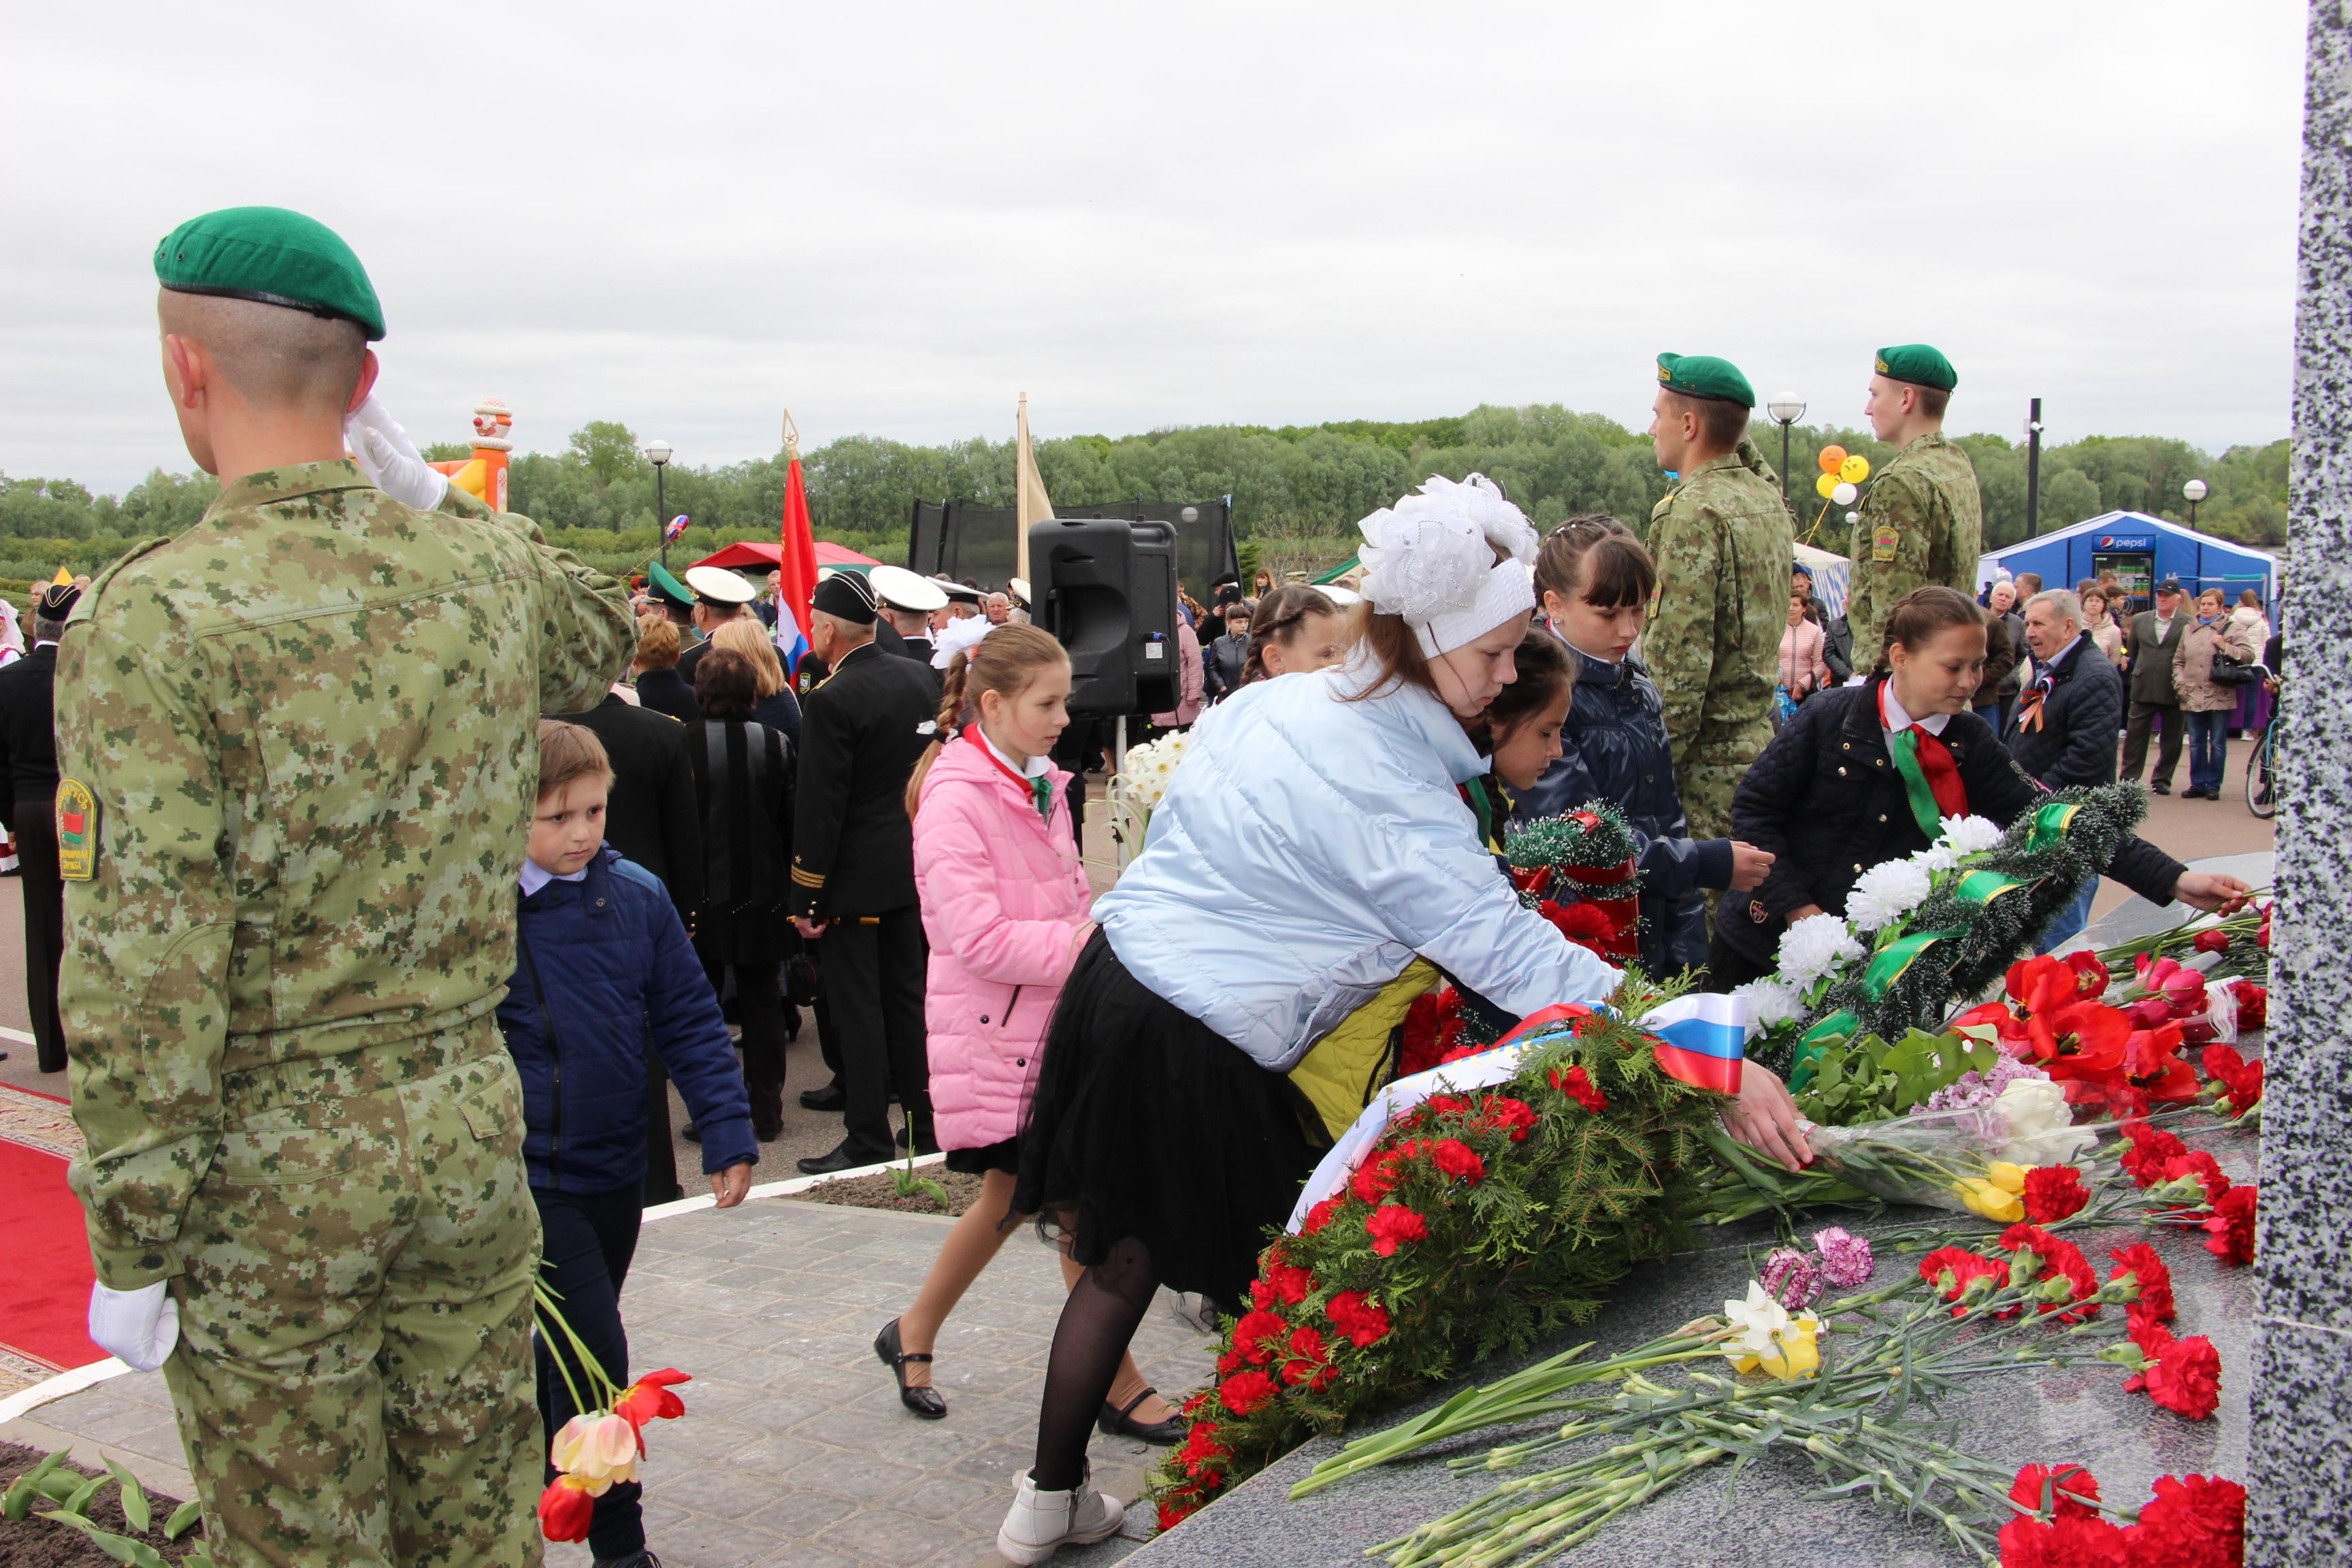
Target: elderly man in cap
{"points": [[29, 798], [720, 597], [854, 868], [1921, 520], [291, 832], [1723, 541]]}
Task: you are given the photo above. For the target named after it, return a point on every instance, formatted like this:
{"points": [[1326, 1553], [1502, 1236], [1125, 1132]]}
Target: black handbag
{"points": [[2232, 671]]}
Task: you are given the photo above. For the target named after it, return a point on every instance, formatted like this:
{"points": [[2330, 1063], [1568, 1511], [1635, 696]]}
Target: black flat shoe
{"points": [[841, 1158], [920, 1398], [1122, 1422], [829, 1097], [2160, 789]]}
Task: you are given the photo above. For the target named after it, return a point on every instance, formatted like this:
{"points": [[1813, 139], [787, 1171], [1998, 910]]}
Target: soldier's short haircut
{"points": [[568, 753], [2063, 603], [1721, 424], [271, 356], [1933, 400], [658, 643]]}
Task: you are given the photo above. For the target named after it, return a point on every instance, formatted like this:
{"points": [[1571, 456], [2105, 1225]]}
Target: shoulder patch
{"points": [[77, 831], [1885, 543]]}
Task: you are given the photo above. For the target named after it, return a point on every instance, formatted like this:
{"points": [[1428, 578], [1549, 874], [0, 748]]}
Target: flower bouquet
{"points": [[599, 1447], [1136, 791]]}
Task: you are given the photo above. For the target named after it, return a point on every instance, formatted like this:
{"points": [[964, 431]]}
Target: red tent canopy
{"points": [[764, 556]]}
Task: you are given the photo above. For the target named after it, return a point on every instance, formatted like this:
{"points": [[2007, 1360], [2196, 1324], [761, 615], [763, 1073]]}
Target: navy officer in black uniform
{"points": [[28, 799], [905, 602], [854, 868]]}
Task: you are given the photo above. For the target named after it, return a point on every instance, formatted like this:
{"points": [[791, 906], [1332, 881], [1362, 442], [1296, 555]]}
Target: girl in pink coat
{"points": [[1004, 901]]}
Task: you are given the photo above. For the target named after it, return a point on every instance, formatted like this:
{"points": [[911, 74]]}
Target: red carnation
{"points": [[1363, 1320], [2241, 1081], [1255, 1336], [2155, 1278], [1175, 1507], [1501, 1114], [1309, 1361], [1390, 1226], [1245, 1391], [1432, 1027], [2253, 1003], [1376, 1175], [1193, 1402], [2071, 1488], [1457, 1159], [2230, 1229], [2053, 1193], [1320, 1215], [1578, 1087], [2074, 1542], [1585, 924], [2207, 1171], [1464, 1053], [2182, 1376], [1445, 1104], [1201, 1449], [2150, 1148], [2192, 1520], [1291, 1283], [1951, 1269]]}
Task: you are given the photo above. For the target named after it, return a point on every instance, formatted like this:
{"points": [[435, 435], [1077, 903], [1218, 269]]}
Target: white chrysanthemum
{"points": [[1971, 835], [1814, 946], [1771, 1001], [2040, 1123], [1935, 859], [1886, 893]]}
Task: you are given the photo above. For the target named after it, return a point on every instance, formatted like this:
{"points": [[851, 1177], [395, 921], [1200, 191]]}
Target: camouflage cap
{"points": [[1922, 364], [1703, 375], [273, 255]]}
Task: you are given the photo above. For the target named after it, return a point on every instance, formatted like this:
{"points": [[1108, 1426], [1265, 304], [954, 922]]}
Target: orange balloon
{"points": [[1832, 457]]}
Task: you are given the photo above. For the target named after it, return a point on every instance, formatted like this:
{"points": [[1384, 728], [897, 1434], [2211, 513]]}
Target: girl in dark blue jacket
{"points": [[604, 967], [1595, 580]]}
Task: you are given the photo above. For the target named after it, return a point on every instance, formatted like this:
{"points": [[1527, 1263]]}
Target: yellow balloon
{"points": [[1854, 469], [1825, 486]]}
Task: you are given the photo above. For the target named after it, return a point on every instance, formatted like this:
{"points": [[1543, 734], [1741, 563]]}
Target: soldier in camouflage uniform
{"points": [[1921, 521], [299, 743], [1723, 541]]}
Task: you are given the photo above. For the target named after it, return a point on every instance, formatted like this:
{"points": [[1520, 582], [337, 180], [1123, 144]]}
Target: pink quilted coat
{"points": [[1003, 897]]}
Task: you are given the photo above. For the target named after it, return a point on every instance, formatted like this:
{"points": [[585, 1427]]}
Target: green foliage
{"points": [[905, 1183], [1866, 1079], [52, 1481]]}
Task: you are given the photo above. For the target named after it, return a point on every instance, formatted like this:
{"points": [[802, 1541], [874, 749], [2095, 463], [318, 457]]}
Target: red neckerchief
{"points": [[1935, 769], [1040, 790]]}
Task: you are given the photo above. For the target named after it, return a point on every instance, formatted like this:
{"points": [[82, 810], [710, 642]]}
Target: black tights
{"points": [[1099, 1318]]}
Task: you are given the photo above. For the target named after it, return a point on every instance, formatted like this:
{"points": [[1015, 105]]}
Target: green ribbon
{"points": [[1042, 786], [1982, 888], [1888, 964], [2050, 825], [1814, 1043], [1904, 747]]}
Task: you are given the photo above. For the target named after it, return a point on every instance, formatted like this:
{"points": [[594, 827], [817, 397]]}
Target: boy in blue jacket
{"points": [[603, 964]]}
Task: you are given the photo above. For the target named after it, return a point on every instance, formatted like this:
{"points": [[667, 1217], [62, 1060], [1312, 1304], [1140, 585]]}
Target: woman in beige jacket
{"points": [[2205, 702]]}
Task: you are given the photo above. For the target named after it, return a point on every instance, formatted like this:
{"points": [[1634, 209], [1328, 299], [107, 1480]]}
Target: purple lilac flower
{"points": [[1975, 1091], [1845, 1257], [1792, 1278]]}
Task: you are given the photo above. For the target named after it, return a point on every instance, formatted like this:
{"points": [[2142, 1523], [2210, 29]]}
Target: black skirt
{"points": [[1147, 1123], [1004, 1157]]}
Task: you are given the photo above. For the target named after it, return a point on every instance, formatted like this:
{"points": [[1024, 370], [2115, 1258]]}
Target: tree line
{"points": [[1296, 491]]}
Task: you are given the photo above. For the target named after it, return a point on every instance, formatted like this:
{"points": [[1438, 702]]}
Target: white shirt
{"points": [[1035, 768], [1898, 721], [536, 876]]}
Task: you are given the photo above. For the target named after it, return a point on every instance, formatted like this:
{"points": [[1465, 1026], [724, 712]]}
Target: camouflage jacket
{"points": [[307, 728], [1723, 541], [1921, 523]]}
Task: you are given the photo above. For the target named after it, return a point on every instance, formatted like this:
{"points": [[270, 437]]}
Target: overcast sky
{"points": [[894, 218]]}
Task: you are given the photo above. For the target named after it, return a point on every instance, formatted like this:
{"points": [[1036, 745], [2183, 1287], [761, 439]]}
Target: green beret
{"points": [[666, 586], [276, 257], [1919, 364], [1703, 375]]}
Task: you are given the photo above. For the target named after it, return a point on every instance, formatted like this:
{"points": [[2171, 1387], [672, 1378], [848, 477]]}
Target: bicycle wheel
{"points": [[2262, 781]]}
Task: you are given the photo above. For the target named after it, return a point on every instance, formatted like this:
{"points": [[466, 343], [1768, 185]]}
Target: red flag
{"points": [[796, 560]]}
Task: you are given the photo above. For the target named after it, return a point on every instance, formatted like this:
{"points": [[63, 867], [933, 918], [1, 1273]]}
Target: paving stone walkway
{"points": [[794, 1450]]}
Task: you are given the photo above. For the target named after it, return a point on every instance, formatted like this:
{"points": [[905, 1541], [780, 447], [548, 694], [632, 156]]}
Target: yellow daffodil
{"points": [[1766, 1339]]}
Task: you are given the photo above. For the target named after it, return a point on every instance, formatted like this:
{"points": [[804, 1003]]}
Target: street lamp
{"points": [[1786, 409], [2194, 492], [657, 452]]}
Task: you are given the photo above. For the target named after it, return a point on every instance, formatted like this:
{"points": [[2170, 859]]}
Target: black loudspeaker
{"points": [[1106, 588]]}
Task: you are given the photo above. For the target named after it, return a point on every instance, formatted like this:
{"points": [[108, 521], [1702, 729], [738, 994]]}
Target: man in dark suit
{"points": [[905, 602], [650, 816], [2062, 735], [2150, 643], [854, 868], [29, 800], [720, 597]]}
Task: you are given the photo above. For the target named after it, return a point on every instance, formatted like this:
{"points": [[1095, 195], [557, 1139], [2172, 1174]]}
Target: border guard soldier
{"points": [[1922, 521]]}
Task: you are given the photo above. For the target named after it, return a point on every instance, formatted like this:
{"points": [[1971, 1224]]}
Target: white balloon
{"points": [[1853, 516], [1844, 495]]}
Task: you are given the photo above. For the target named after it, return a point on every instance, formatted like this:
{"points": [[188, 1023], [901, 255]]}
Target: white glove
{"points": [[386, 456], [139, 1326]]}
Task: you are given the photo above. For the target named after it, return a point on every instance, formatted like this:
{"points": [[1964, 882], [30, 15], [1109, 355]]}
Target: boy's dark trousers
{"points": [[588, 1240]]}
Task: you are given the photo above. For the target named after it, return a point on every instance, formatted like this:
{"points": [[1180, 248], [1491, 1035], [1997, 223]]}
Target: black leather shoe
{"points": [[920, 1398], [2160, 789], [690, 1132], [830, 1098], [1122, 1423], [841, 1158]]}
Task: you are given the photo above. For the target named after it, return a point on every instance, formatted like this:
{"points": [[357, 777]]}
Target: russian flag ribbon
{"points": [[1701, 1040]]}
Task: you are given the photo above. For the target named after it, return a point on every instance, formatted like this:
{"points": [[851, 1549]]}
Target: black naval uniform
{"points": [[28, 801], [862, 732], [650, 817]]}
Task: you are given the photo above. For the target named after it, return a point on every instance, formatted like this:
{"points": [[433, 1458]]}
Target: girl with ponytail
{"points": [[1005, 900]]}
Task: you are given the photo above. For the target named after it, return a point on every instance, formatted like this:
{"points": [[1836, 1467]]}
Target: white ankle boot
{"points": [[1042, 1522]]}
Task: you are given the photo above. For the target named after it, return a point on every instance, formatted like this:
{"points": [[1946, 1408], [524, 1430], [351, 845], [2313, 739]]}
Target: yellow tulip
{"points": [[1993, 1201], [2008, 1178]]}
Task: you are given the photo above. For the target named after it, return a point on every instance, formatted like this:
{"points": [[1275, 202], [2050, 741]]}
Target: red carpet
{"points": [[45, 1303]]}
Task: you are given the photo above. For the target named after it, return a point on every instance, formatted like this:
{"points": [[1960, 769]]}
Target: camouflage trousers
{"points": [[353, 1380], [1706, 789]]}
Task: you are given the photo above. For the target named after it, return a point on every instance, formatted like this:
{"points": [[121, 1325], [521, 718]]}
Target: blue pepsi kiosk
{"points": [[2141, 551]]}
